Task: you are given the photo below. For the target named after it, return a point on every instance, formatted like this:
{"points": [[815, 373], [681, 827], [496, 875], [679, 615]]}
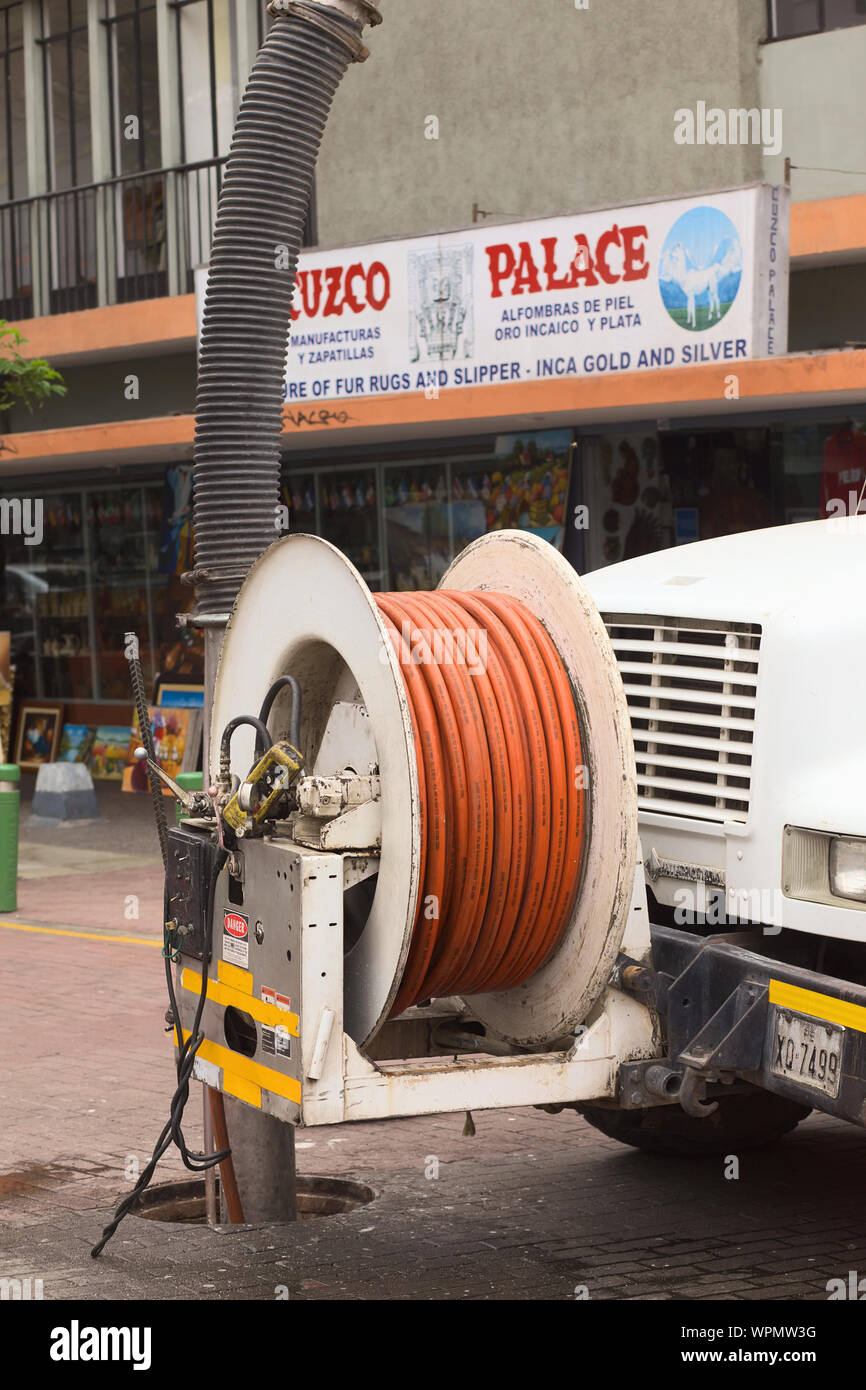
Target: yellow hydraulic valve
{"points": [[270, 777]]}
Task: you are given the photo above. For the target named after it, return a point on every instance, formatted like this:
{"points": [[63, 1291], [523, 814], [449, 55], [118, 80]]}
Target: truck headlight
{"points": [[822, 868], [848, 869]]}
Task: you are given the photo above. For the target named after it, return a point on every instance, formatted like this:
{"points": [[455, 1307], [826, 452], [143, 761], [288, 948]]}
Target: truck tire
{"points": [[742, 1121]]}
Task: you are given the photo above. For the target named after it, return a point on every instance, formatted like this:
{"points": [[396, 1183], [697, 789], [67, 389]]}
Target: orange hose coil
{"points": [[501, 788]]}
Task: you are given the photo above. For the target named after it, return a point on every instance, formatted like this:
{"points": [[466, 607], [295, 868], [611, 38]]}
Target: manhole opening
{"points": [[184, 1202]]}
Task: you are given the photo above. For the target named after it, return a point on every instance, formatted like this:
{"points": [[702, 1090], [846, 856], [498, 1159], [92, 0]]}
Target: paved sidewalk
{"points": [[534, 1206]]}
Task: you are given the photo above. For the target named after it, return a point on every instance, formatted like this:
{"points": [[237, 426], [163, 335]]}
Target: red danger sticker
{"points": [[236, 925]]}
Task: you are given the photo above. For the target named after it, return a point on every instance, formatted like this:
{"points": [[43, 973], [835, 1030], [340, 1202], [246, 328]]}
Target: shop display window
{"points": [[820, 466], [69, 600], [299, 495], [124, 537], [349, 519], [342, 505], [723, 475], [418, 525], [401, 523], [45, 593], [524, 486], [647, 490], [628, 496]]}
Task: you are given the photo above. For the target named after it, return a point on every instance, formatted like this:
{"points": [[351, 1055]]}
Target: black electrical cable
{"points": [[267, 705], [172, 1133]]}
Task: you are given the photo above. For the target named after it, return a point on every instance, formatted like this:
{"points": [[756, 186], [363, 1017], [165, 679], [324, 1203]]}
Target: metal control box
{"points": [[254, 1047]]}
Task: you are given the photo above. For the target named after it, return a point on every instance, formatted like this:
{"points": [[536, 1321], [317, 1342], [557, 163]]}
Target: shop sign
{"points": [[664, 285]]}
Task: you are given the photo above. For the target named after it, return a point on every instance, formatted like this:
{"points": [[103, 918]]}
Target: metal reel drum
{"points": [[304, 610]]}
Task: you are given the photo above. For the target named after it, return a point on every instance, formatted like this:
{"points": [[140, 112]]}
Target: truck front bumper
{"points": [[731, 1013]]}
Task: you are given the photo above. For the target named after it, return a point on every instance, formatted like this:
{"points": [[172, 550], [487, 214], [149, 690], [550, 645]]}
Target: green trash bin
{"points": [[10, 797], [191, 782]]}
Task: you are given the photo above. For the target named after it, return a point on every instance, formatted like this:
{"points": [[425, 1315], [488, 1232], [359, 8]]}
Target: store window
{"points": [[627, 496], [109, 562], [46, 601], [299, 496], [721, 481], [124, 549], [342, 505], [791, 19], [821, 468], [349, 519], [646, 491], [418, 525], [525, 486], [402, 522]]}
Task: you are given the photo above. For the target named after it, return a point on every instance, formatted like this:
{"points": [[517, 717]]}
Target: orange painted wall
{"points": [[113, 329], [829, 226], [775, 382]]}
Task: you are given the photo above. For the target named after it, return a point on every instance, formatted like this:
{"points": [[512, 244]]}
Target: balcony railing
{"points": [[138, 236]]}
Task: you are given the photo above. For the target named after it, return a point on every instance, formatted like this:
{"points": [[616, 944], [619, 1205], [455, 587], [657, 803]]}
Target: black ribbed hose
{"points": [[257, 238]]}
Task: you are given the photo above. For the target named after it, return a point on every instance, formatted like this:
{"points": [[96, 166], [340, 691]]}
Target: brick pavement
{"points": [[534, 1206]]}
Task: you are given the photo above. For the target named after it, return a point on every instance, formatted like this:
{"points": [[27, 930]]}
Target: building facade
{"points": [[115, 122]]}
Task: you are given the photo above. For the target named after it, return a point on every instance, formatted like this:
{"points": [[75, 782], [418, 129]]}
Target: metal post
{"points": [[263, 1155], [210, 1198], [263, 1148]]}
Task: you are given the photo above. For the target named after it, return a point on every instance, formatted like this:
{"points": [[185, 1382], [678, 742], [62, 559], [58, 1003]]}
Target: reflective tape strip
{"points": [[248, 1070], [233, 976], [823, 1006], [246, 1091], [220, 993]]}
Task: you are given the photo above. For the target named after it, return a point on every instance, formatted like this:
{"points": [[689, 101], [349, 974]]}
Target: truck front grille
{"points": [[691, 687]]}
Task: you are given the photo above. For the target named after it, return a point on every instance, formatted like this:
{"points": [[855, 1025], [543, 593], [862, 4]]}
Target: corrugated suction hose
{"points": [[258, 233], [502, 790]]}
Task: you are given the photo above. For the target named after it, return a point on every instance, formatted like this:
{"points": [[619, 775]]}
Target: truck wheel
{"points": [[742, 1121]]}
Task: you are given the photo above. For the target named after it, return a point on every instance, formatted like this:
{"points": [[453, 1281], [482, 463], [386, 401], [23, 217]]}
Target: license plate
{"points": [[807, 1051]]}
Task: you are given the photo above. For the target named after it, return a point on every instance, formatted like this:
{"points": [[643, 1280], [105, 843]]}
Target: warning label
{"points": [[281, 1001], [277, 1041], [236, 939]]}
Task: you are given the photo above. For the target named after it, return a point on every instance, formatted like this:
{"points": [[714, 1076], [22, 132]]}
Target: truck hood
{"points": [[803, 588], [752, 577]]}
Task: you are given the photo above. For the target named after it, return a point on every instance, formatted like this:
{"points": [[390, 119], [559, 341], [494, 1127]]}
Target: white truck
{"points": [[744, 666]]}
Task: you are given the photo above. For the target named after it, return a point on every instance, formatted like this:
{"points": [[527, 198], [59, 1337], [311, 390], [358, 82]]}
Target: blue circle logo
{"points": [[700, 269]]}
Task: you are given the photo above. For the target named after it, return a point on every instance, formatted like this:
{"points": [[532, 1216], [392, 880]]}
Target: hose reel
{"points": [[490, 718], [498, 750]]}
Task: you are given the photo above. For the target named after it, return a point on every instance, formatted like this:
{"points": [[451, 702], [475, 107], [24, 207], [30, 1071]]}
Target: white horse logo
{"points": [[694, 280]]}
